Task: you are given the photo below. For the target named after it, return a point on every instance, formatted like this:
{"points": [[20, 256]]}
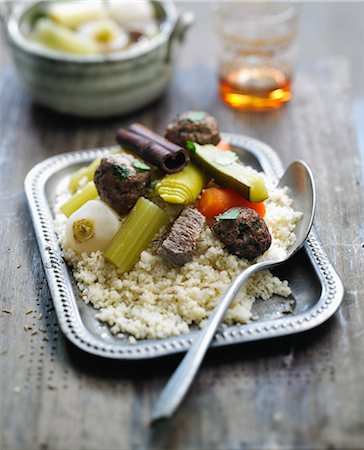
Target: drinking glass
{"points": [[257, 48]]}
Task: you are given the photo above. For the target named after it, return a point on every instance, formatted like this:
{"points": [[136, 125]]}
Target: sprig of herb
{"points": [[230, 214], [226, 158], [139, 165], [120, 172], [191, 146], [195, 116]]}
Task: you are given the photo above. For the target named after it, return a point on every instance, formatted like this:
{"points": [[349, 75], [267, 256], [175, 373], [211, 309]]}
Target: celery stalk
{"points": [[135, 234], [88, 192]]}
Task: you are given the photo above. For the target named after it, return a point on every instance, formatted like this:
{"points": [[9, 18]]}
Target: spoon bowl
{"points": [[299, 180], [301, 189]]}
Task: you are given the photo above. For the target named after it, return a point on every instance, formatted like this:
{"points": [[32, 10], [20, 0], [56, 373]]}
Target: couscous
{"points": [[157, 299]]}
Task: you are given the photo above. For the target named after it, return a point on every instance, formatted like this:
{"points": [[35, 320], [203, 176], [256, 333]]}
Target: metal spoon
{"points": [[298, 178]]}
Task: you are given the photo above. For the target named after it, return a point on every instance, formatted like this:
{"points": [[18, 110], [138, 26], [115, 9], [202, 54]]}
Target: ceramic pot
{"points": [[99, 85]]}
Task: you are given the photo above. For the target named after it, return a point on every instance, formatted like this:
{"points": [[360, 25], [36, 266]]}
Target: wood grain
{"points": [[304, 391]]}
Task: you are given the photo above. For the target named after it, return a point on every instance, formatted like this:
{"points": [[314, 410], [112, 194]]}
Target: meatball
{"points": [[120, 183], [246, 235], [195, 126]]}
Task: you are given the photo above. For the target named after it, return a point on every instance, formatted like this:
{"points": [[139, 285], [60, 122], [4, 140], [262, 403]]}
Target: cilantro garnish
{"points": [[139, 165], [230, 214], [191, 146], [225, 158], [120, 172], [195, 116]]}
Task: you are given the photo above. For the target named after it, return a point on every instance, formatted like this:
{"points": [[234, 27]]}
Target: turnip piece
{"points": [[91, 227]]}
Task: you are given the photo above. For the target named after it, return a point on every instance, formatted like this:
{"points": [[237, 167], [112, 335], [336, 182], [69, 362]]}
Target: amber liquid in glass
{"points": [[255, 88]]}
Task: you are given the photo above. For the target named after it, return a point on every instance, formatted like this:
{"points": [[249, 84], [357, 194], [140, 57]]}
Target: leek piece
{"points": [[87, 172], [183, 187], [73, 14], [76, 177], [88, 192], [106, 33], [92, 167], [135, 234], [58, 37]]}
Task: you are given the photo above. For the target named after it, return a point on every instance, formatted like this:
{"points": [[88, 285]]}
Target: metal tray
{"points": [[317, 289]]}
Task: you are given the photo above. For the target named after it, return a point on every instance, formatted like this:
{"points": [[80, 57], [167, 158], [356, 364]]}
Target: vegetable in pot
{"points": [[106, 34], [127, 12], [58, 37], [136, 234], [91, 227], [73, 14], [183, 187]]}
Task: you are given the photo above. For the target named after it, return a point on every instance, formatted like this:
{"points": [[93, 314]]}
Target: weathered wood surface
{"points": [[304, 391]]}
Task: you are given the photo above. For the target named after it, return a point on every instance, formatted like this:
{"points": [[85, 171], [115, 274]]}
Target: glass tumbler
{"points": [[257, 48]]}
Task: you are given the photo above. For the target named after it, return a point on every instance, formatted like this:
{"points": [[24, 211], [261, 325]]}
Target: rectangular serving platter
{"points": [[317, 290]]}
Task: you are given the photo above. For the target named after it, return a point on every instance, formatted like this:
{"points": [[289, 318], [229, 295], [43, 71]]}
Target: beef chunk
{"points": [[181, 241], [246, 236], [120, 183], [195, 126]]}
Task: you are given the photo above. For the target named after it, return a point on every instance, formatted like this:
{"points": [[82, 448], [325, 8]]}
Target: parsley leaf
{"points": [[225, 158], [191, 147], [195, 116], [139, 165], [120, 172], [230, 214]]}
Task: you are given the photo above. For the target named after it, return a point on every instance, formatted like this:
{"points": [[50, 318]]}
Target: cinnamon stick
{"points": [[149, 134], [153, 148]]}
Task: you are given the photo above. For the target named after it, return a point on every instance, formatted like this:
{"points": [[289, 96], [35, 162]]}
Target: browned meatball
{"points": [[195, 126], [246, 235], [120, 183]]}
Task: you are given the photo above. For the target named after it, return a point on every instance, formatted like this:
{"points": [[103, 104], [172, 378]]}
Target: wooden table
{"points": [[303, 391]]}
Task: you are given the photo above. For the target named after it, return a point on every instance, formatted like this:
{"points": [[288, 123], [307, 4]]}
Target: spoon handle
{"points": [[178, 385]]}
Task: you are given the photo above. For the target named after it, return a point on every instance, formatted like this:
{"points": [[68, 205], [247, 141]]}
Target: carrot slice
{"points": [[215, 201], [223, 145]]}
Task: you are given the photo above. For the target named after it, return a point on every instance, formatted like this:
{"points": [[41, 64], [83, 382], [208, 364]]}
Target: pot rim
{"points": [[17, 37]]}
